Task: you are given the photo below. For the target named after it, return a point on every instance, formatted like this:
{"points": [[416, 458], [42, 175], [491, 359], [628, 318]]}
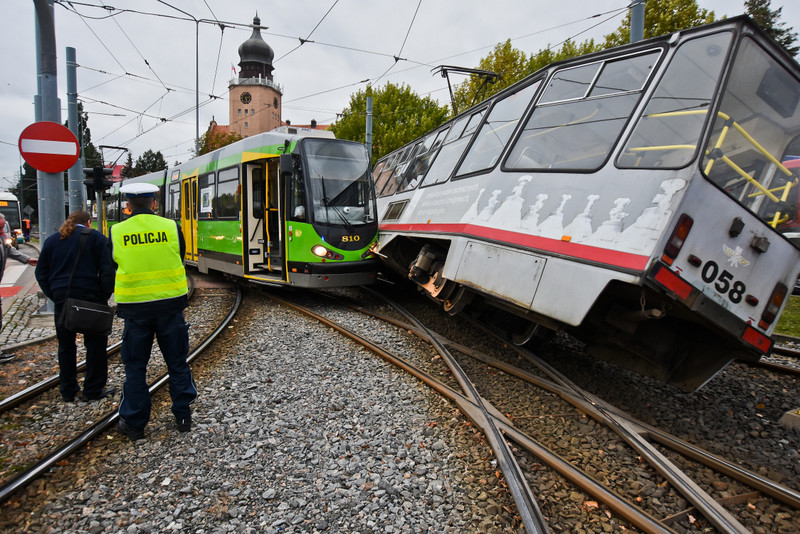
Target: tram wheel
{"points": [[459, 300], [534, 331]]}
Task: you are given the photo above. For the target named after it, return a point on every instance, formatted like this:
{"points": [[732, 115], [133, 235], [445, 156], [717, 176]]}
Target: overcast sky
{"points": [[136, 69]]}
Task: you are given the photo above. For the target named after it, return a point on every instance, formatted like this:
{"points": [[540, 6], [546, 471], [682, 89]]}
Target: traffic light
{"points": [[97, 180]]}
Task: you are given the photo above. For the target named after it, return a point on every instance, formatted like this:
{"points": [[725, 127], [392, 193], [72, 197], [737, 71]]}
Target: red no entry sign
{"points": [[49, 146]]}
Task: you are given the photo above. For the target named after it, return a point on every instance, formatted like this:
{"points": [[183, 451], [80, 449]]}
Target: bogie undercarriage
{"points": [[634, 327]]}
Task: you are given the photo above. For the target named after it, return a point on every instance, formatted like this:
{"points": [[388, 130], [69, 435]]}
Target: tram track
{"points": [[92, 419], [31, 391], [648, 442]]}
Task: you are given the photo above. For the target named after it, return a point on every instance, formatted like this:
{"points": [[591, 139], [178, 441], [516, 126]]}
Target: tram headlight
{"points": [[319, 250]]}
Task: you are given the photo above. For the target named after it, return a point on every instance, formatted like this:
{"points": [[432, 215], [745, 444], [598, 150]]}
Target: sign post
{"points": [[49, 147]]}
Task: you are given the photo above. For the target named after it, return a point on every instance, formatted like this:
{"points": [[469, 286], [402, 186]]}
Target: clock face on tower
{"points": [[246, 98]]}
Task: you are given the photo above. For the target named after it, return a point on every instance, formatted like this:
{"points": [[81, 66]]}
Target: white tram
{"points": [[630, 196]]}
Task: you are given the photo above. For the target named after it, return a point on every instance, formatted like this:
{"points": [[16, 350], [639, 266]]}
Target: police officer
{"points": [[151, 293]]}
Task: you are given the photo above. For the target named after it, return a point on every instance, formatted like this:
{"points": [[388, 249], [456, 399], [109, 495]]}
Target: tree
{"points": [[91, 155], [760, 12], [210, 142], [149, 162], [399, 116], [662, 17], [127, 170]]}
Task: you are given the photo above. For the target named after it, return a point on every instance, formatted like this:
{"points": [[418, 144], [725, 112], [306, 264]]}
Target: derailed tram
{"points": [[632, 197], [278, 208]]}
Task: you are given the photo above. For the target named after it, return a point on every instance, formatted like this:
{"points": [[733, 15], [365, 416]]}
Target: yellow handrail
{"points": [[724, 133]]}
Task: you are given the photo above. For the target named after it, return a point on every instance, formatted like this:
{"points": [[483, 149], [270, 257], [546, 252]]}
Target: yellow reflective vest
{"points": [[146, 249]]}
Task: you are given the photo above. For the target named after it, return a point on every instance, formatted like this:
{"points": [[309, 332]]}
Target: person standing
{"points": [[65, 271], [151, 294], [26, 229], [5, 230], [5, 253]]}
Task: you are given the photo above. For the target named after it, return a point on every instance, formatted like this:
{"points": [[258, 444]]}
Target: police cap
{"points": [[139, 190]]}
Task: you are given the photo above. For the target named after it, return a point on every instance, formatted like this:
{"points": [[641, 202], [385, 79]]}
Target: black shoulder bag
{"points": [[84, 316]]}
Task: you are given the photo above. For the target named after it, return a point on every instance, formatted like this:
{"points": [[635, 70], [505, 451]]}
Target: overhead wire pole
{"points": [[50, 185], [637, 20]]}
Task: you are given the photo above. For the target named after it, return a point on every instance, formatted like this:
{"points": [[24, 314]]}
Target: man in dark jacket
{"points": [[92, 280]]}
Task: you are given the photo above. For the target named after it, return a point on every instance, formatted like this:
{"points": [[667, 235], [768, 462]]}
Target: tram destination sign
{"points": [[49, 147]]}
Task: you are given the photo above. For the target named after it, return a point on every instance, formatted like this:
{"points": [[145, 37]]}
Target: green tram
{"points": [[278, 208]]}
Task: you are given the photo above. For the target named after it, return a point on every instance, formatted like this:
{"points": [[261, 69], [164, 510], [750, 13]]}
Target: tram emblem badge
{"points": [[735, 257]]}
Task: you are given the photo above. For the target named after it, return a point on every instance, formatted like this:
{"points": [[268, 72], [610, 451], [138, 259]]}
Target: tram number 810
{"points": [[725, 283]]}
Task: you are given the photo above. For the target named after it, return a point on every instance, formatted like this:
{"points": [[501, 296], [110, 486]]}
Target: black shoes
{"points": [[106, 392], [127, 430], [5, 357], [184, 424]]}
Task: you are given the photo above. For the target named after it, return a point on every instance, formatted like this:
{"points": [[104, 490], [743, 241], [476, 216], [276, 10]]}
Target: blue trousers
{"points": [[172, 334]]}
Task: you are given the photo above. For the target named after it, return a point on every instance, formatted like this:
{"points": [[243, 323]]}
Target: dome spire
{"points": [[255, 55]]}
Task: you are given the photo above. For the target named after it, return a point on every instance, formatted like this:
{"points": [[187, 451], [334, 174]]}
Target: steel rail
{"points": [[633, 514], [627, 429], [705, 504], [532, 516], [775, 490], [47, 463], [779, 492], [12, 401]]}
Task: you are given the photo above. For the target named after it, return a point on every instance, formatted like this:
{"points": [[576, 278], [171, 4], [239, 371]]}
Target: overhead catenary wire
{"points": [[304, 41], [113, 11]]}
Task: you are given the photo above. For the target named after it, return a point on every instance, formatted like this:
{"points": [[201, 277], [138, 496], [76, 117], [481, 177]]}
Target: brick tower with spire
{"points": [[255, 98]]}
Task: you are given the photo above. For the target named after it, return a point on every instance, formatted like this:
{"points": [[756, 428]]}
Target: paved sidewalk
{"points": [[22, 322]]}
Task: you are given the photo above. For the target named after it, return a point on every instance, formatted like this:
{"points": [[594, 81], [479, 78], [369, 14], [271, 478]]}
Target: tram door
{"points": [[264, 236], [189, 216]]}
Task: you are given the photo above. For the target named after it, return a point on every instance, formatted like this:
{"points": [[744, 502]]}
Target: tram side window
{"points": [[383, 172], [111, 208], [173, 208], [400, 165], [398, 178], [668, 132], [205, 201], [581, 114], [418, 167], [297, 197], [226, 202], [496, 131], [452, 149]]}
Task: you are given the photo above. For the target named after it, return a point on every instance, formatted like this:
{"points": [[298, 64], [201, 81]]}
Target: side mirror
{"points": [[287, 165]]}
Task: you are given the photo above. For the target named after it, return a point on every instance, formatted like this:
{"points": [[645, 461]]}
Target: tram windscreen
{"points": [[10, 208], [753, 145], [340, 182]]}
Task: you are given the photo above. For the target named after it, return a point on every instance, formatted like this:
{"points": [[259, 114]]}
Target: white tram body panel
{"points": [[632, 196]]}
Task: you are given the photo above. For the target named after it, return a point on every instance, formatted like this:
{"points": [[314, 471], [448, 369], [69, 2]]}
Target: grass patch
{"points": [[789, 323]]}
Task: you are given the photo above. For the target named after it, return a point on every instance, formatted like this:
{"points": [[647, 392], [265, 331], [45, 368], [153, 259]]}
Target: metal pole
{"points": [[637, 20], [75, 172], [196, 87], [50, 186], [369, 128]]}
